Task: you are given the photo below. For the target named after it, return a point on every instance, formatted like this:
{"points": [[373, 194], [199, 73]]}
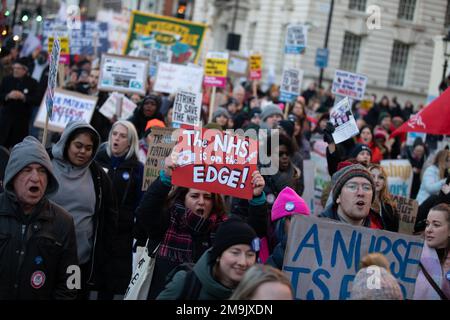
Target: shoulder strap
{"points": [[433, 283], [191, 287]]}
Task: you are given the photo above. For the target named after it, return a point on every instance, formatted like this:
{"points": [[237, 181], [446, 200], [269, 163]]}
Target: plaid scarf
{"points": [[184, 226]]}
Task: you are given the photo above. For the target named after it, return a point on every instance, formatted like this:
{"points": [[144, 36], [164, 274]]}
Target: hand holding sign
{"points": [[258, 183]]}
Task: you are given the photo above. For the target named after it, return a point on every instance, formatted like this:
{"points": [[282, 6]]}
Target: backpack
{"points": [[192, 285]]}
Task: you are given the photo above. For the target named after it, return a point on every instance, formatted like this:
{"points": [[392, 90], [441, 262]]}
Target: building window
{"points": [[406, 9], [399, 61], [350, 52], [359, 5]]}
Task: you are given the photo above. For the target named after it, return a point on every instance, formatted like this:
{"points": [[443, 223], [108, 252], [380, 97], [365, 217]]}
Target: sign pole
{"points": [[119, 105], [211, 104], [44, 137], [286, 110]]}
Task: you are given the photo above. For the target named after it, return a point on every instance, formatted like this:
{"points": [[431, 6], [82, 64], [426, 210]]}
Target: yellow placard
{"points": [[64, 42], [216, 67], [255, 62], [366, 104]]}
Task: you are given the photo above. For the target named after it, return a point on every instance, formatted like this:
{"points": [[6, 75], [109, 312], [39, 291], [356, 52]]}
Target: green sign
{"points": [[150, 31]]}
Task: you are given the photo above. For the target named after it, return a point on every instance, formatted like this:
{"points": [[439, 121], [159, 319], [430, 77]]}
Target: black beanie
{"points": [[360, 147], [231, 232]]}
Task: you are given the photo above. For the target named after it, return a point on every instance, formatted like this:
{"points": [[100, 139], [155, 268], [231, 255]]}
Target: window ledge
{"points": [[401, 23], [356, 22]]}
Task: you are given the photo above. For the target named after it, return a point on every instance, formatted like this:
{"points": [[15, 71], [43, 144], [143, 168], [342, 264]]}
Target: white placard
{"points": [[342, 118], [348, 84], [108, 109], [187, 108], [171, 78]]}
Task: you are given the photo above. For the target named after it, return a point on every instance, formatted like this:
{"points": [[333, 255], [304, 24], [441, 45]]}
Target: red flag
{"points": [[433, 119]]}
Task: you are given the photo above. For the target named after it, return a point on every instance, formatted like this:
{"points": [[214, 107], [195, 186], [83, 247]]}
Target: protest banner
{"points": [[407, 209], [183, 37], [160, 147], [344, 123], [291, 84], [255, 67], [216, 67], [295, 41], [67, 106], [323, 256], [82, 40], [216, 161], [108, 109], [322, 57], [64, 57], [349, 84], [187, 108], [412, 136], [123, 74], [400, 175], [171, 78], [366, 104], [237, 65]]}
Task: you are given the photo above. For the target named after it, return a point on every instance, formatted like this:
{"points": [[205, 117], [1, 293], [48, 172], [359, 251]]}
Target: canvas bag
{"points": [[142, 276]]}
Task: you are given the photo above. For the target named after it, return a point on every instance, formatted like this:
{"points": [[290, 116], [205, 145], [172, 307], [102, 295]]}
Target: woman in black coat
{"points": [[118, 157], [147, 110]]}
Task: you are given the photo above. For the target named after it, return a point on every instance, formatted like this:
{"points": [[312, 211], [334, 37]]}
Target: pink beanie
{"points": [[288, 203]]}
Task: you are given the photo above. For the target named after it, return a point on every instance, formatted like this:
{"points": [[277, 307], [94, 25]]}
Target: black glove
{"points": [[327, 133]]}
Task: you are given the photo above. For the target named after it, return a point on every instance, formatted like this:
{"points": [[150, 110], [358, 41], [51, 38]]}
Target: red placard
{"points": [[216, 161]]}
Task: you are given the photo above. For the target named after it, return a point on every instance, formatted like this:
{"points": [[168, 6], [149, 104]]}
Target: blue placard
{"points": [[322, 57]]}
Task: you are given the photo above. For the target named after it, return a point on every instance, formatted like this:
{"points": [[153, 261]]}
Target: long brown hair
{"points": [[440, 161], [384, 195]]}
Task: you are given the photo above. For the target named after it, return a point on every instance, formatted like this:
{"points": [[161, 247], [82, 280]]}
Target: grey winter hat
{"points": [[270, 110], [221, 112], [386, 289], [27, 152]]}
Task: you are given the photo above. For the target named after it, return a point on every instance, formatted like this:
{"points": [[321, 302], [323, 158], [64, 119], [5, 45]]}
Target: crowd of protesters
{"points": [[80, 201]]}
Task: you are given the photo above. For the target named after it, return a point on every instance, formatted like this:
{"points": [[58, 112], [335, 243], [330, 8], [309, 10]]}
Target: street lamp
{"points": [[446, 45]]}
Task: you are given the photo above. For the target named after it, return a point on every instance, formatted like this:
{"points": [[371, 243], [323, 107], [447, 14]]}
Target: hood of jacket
{"points": [[27, 152]]}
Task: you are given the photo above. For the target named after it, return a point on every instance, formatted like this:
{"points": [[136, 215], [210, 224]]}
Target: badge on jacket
{"points": [[37, 279], [125, 176], [25, 91]]}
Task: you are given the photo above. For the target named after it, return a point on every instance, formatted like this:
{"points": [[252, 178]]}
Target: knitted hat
{"points": [[288, 203], [221, 112], [342, 176], [231, 232], [376, 284], [288, 126], [359, 147], [271, 110], [153, 123], [380, 133]]}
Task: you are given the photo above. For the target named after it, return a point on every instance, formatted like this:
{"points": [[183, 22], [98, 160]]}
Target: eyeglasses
{"points": [[353, 187]]}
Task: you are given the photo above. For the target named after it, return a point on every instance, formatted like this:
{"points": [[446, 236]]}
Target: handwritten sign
{"points": [[67, 106], [295, 41], [407, 209], [171, 78], [187, 108], [255, 67], [216, 161], [160, 147], [400, 175], [349, 84], [322, 257], [216, 67], [291, 84]]}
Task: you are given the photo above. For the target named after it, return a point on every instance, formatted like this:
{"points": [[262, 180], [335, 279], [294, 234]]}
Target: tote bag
{"points": [[142, 276]]}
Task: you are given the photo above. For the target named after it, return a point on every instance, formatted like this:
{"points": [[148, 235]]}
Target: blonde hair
{"points": [[257, 275], [132, 138]]}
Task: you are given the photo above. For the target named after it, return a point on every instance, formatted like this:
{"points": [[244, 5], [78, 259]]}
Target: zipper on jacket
{"points": [[21, 253]]}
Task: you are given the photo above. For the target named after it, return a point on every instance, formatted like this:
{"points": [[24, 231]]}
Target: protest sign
{"points": [[67, 106], [118, 24], [52, 73], [412, 136], [160, 147], [187, 108], [90, 37], [295, 41], [342, 118], [108, 109], [216, 67], [157, 55], [323, 256], [237, 65], [183, 37], [321, 180], [349, 84], [65, 51], [123, 74], [291, 84], [322, 57], [407, 209], [366, 104], [400, 175], [216, 161], [255, 67], [171, 78]]}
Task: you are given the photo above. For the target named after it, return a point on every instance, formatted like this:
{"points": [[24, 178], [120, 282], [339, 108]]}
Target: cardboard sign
{"points": [[349, 84], [184, 37], [65, 51], [108, 109], [412, 136], [187, 108], [291, 84], [255, 67], [123, 74], [82, 40], [400, 176], [216, 161], [160, 147], [323, 256], [295, 41], [342, 118], [67, 106], [407, 209], [216, 67], [171, 78], [52, 73], [238, 65]]}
